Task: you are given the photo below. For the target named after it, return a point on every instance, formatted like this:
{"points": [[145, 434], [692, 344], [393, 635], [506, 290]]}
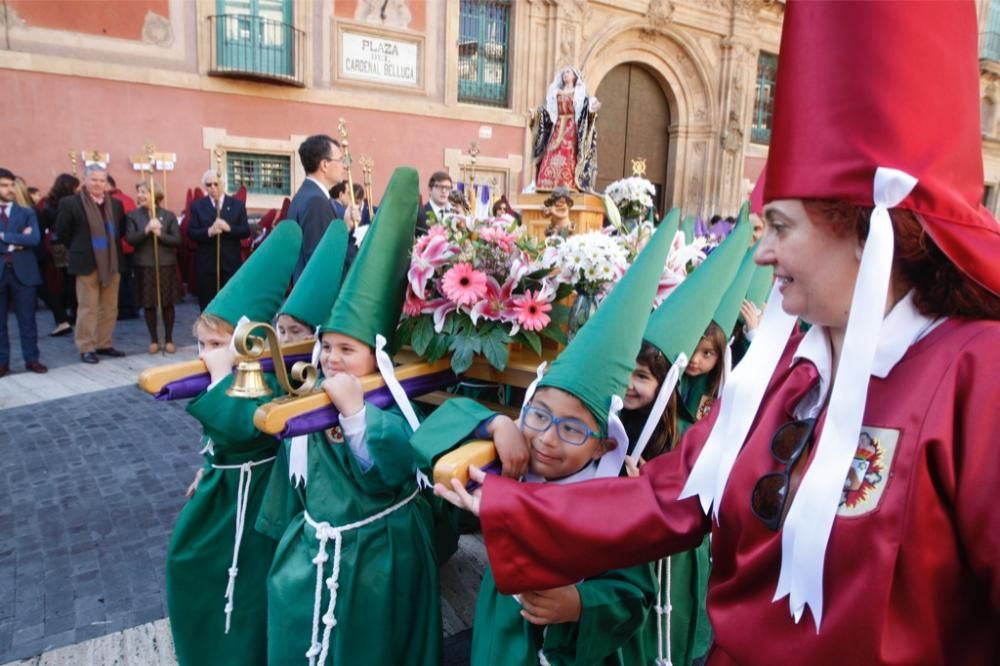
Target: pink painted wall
{"points": [[48, 114]]}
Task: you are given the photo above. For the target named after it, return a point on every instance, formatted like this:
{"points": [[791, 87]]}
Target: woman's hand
{"points": [[194, 484], [595, 105], [461, 497], [155, 227], [751, 316], [345, 393], [512, 448], [555, 606]]}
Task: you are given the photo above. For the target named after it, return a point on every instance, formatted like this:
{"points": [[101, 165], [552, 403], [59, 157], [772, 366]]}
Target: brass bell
{"points": [[249, 381]]}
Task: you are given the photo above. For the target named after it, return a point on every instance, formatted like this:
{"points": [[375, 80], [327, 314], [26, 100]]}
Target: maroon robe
{"points": [[913, 562]]}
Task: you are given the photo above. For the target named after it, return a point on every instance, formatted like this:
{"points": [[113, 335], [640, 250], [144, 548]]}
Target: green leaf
{"points": [[553, 332], [422, 334], [402, 335], [464, 348], [495, 348], [531, 339], [563, 291], [438, 347], [559, 314]]}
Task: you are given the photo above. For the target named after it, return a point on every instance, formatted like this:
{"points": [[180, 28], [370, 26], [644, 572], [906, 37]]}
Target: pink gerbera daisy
{"points": [[463, 284], [530, 309]]}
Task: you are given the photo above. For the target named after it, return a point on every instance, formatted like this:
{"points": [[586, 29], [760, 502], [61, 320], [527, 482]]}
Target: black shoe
{"points": [[110, 351], [89, 357]]}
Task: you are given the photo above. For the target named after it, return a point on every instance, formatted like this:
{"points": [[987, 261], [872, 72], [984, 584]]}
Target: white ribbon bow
{"points": [[810, 519]]}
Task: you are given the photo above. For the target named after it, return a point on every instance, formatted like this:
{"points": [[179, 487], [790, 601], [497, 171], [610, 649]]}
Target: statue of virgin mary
{"points": [[564, 135]]}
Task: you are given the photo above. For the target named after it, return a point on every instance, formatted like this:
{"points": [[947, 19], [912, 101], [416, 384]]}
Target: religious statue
{"points": [[564, 135]]}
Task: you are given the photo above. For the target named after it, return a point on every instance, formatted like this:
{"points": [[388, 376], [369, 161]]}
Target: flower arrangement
{"points": [[589, 262], [632, 195], [474, 287]]}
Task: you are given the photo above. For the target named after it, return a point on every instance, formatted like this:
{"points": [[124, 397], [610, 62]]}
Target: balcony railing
{"points": [[253, 47]]}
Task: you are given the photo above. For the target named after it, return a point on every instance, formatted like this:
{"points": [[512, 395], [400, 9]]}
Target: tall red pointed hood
{"points": [[893, 84]]}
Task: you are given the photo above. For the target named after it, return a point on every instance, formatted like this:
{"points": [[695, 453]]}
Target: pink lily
{"points": [[441, 308], [435, 253]]}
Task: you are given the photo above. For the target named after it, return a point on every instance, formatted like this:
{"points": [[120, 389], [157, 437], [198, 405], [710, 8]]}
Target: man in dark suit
{"points": [[19, 275], [218, 224], [323, 161], [91, 223], [437, 201]]}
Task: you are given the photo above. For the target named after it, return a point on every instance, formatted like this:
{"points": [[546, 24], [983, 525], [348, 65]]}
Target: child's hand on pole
{"points": [[512, 448], [461, 497]]}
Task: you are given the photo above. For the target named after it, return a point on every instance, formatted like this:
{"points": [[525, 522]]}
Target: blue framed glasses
{"points": [[572, 431]]}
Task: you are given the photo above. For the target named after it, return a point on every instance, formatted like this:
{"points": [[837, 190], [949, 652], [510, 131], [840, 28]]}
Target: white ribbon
{"points": [[388, 373], [611, 462], [317, 348], [529, 393], [741, 398], [660, 404], [727, 366], [810, 519], [298, 460]]}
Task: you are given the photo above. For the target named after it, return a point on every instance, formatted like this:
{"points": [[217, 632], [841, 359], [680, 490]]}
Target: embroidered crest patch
{"points": [[869, 471], [335, 435]]}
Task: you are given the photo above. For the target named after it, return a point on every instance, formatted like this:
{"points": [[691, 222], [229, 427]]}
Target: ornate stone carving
{"points": [[567, 42], [157, 30], [659, 14], [388, 13], [732, 135], [575, 10]]}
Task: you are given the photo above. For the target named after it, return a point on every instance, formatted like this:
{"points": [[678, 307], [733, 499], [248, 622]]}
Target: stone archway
{"points": [[679, 70]]}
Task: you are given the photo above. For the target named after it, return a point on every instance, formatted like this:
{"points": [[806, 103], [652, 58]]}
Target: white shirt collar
{"points": [[586, 474], [325, 191], [903, 327]]}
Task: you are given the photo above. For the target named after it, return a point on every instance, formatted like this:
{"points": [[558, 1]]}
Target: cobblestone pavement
{"points": [[89, 492]]}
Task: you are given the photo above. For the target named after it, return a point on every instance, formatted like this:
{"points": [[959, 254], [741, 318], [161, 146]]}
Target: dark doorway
{"points": [[633, 123]]}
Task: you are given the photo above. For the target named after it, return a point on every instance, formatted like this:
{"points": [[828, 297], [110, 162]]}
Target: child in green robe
{"points": [[216, 564], [354, 579], [571, 427], [702, 378]]}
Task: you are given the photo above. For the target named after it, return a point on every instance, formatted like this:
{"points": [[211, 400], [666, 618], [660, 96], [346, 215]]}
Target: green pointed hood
{"points": [[687, 226], [256, 290], [371, 298], [729, 307], [316, 290], [597, 363], [760, 286], [680, 322]]}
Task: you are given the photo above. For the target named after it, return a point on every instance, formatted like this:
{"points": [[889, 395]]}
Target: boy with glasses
{"points": [[433, 212], [571, 429]]}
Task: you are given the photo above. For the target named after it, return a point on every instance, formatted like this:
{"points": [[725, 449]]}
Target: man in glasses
{"points": [[218, 224], [323, 161], [439, 186]]}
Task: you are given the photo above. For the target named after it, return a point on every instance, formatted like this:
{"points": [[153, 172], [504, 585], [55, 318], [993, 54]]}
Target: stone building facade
{"points": [[684, 84]]}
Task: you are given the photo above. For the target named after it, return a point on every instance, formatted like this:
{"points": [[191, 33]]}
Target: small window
{"points": [[261, 174], [484, 51], [763, 107]]}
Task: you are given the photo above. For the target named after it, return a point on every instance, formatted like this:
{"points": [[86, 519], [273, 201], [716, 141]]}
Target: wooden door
{"points": [[633, 122]]}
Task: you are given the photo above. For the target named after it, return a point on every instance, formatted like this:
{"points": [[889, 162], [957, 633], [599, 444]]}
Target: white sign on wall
{"points": [[375, 58]]}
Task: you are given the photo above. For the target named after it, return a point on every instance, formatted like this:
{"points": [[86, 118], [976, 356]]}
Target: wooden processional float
{"points": [[307, 408]]}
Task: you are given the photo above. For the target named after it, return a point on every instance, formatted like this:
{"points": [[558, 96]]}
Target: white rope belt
{"points": [[242, 499], [663, 610], [324, 532]]}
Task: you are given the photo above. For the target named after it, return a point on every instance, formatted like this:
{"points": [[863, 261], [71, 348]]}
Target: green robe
{"points": [[201, 548], [388, 607], [614, 607], [690, 631], [692, 390]]}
